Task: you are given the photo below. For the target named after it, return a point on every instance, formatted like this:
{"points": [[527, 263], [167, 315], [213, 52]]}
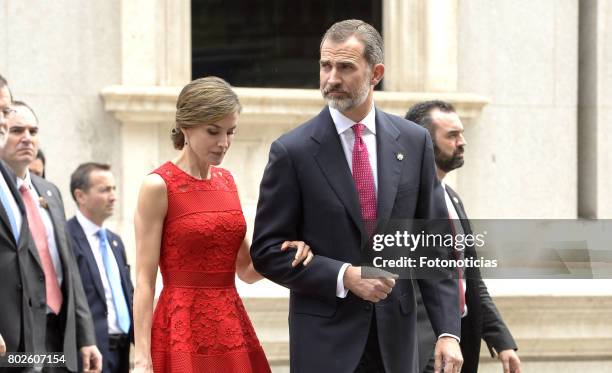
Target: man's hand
{"points": [[447, 356], [2, 346], [372, 290], [92, 359], [510, 361]]}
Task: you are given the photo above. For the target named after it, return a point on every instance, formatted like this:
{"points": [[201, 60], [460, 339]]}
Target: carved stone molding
{"points": [[268, 106]]}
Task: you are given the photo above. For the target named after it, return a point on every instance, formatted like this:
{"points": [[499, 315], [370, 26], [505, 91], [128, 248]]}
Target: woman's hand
{"points": [[143, 365], [303, 253]]}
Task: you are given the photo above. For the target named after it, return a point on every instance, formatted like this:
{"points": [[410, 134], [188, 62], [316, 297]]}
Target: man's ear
{"points": [[79, 195], [378, 71]]}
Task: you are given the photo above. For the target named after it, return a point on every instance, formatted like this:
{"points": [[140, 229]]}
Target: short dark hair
{"points": [[420, 113], [80, 178], [4, 83], [40, 155], [341, 31], [23, 104]]}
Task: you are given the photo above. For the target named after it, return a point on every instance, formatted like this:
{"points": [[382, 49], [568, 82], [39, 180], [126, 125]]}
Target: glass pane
{"points": [[268, 43]]}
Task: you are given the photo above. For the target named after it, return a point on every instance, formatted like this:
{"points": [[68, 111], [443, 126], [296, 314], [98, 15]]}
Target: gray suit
{"points": [[17, 259], [78, 327]]}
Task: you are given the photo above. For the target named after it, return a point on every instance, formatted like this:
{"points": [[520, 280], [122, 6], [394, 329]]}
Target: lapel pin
{"points": [[400, 156], [49, 193], [115, 243], [456, 200], [43, 203]]}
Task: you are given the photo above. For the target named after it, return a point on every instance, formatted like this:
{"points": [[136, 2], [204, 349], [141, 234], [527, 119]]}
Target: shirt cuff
{"points": [[449, 335], [341, 292]]}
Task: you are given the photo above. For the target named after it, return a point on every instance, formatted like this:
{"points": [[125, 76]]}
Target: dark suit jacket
{"points": [[20, 298], [307, 193], [483, 320], [78, 329], [92, 282]]}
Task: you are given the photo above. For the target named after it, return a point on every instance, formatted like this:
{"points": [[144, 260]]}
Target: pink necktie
{"points": [[364, 180], [37, 228]]}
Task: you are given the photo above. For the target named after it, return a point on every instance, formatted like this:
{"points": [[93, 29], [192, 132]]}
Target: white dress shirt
{"points": [[347, 139], [90, 229], [45, 215]]}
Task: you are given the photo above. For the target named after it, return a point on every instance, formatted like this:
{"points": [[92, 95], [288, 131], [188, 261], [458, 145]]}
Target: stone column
{"points": [[421, 48], [594, 109], [156, 42], [156, 51], [420, 45]]}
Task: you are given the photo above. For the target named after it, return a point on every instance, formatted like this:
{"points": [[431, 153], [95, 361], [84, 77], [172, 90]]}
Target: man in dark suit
{"points": [[480, 318], [102, 263], [63, 315], [330, 182]]}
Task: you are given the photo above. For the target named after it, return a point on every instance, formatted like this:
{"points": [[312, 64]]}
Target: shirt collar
{"points": [[27, 181], [343, 123], [90, 228]]}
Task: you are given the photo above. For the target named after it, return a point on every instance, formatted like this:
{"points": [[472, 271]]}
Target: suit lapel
{"points": [[7, 225], [459, 208], [332, 161], [10, 180], [81, 240], [24, 235], [389, 167], [56, 213]]}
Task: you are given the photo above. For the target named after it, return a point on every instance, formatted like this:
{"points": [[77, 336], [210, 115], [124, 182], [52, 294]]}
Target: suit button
{"points": [[41, 278], [367, 307], [19, 287]]}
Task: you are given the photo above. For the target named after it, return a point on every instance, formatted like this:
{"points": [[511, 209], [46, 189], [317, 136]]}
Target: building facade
{"points": [[532, 81]]}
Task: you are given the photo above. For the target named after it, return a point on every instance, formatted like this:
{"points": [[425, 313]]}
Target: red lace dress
{"points": [[199, 323]]}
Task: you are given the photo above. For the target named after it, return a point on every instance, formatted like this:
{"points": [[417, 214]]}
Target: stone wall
{"points": [[57, 57], [521, 157]]}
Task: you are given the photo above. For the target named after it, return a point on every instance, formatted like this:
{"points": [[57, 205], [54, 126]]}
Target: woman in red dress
{"points": [[189, 222]]}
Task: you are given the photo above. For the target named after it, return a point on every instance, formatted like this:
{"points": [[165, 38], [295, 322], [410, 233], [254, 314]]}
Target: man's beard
{"points": [[353, 100], [448, 163]]}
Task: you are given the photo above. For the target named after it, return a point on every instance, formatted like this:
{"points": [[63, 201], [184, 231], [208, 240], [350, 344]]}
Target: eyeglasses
{"points": [[6, 112]]}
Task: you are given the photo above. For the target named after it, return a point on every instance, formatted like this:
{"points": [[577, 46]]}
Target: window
{"points": [[268, 43]]}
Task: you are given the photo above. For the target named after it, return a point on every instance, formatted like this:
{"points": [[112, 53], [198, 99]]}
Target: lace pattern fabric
{"points": [[199, 323]]}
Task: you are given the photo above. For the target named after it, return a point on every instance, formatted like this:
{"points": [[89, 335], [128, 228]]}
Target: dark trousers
{"points": [[117, 360], [429, 368], [371, 360], [55, 339]]}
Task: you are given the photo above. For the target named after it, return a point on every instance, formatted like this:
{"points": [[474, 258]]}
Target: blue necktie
{"points": [[9, 213], [114, 280]]}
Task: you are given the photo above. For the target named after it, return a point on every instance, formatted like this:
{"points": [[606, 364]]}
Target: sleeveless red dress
{"points": [[199, 323]]}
